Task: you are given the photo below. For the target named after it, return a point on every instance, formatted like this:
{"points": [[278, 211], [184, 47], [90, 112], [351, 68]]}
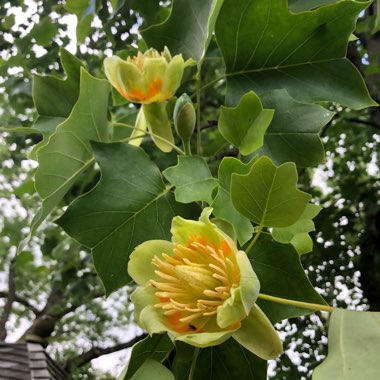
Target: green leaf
{"points": [[185, 30], [280, 272], [129, 205], [297, 233], [222, 205], [267, 47], [192, 179], [267, 195], [245, 125], [68, 152], [54, 98], [44, 31], [229, 361], [354, 346], [156, 347], [152, 369], [302, 5], [85, 10], [293, 134]]}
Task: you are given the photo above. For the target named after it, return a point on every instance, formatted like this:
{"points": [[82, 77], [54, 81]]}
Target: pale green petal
{"points": [[124, 76], [142, 297], [249, 283], [140, 266], [232, 310], [155, 68], [205, 339], [140, 128], [158, 122], [173, 75], [258, 335], [151, 320], [187, 231]]}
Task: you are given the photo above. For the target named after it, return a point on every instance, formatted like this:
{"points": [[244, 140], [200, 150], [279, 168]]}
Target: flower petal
{"points": [[249, 283], [140, 127], [140, 266], [143, 297], [203, 231], [205, 339], [151, 320], [173, 76], [258, 335], [232, 310]]}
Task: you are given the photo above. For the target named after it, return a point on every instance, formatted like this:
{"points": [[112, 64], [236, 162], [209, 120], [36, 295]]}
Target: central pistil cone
{"points": [[193, 284]]}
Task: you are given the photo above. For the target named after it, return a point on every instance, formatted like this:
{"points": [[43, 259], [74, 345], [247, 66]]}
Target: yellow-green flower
{"points": [[200, 289], [146, 78]]}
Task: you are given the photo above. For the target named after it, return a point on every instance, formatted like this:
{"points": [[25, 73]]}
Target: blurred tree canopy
{"points": [[50, 291]]}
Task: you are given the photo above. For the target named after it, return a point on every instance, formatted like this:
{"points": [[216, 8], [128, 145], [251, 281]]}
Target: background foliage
{"points": [[53, 279]]}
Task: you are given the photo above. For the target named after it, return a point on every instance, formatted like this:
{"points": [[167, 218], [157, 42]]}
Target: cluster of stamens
{"points": [[194, 282]]}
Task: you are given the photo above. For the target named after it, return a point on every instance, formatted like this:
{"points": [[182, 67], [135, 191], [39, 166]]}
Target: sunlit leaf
{"points": [[245, 125], [223, 207], [297, 233], [192, 179], [268, 195], [354, 346]]}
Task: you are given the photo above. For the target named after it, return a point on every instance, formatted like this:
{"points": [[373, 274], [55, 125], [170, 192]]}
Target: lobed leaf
{"points": [[129, 205], [267, 195]]}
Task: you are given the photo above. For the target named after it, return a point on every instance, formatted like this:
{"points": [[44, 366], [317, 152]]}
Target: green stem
{"points": [[193, 363], [187, 147], [198, 101], [305, 305], [180, 151], [252, 243]]}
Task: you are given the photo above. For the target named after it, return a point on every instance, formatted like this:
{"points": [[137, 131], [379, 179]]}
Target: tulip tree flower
{"points": [[148, 79], [200, 289]]}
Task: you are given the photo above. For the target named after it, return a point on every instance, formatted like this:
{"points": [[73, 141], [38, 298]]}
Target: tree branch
{"points": [[21, 301], [96, 352], [9, 302]]}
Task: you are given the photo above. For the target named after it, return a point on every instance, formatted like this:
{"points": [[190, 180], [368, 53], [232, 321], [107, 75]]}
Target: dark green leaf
{"points": [[156, 347], [305, 5], [293, 133], [192, 179], [354, 346], [185, 31], [44, 31], [268, 195], [267, 47], [280, 272], [229, 361], [222, 204], [129, 205], [152, 369], [245, 125]]}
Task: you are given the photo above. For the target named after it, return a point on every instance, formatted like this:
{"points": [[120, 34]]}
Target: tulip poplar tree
{"points": [[199, 204]]}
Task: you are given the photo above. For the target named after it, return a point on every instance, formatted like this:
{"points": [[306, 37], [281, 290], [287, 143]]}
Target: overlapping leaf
{"points": [[267, 47], [354, 346], [297, 234], [267, 195], [192, 179], [68, 152], [293, 134], [129, 205], [185, 31], [222, 204], [223, 362], [245, 125], [280, 272], [156, 347]]}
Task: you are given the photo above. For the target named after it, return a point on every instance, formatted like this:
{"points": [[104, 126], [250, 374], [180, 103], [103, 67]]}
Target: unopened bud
{"points": [[184, 117]]}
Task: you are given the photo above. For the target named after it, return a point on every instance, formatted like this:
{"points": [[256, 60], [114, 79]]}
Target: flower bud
{"points": [[184, 117]]}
